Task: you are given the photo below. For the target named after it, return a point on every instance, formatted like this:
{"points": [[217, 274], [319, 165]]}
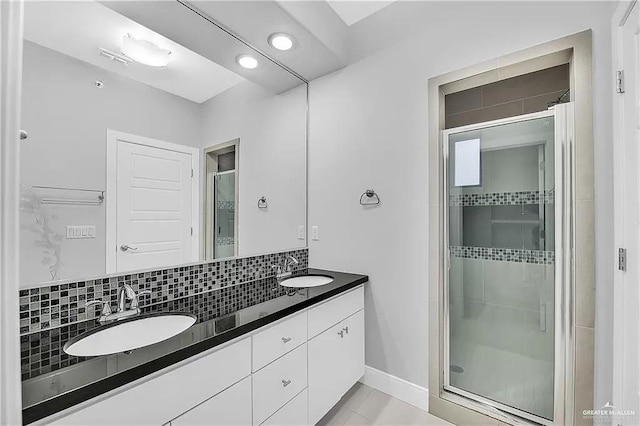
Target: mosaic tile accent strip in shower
{"points": [[53, 306], [41, 352], [504, 254], [226, 205], [502, 198], [225, 241]]}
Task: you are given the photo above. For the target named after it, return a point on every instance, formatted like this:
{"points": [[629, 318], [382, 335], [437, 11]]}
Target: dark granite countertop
{"points": [[223, 315]]}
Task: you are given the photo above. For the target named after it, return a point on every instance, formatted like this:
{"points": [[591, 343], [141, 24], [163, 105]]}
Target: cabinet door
{"points": [[353, 351], [336, 362], [230, 407]]}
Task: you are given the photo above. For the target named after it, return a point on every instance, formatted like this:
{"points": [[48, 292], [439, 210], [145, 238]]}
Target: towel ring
{"points": [[372, 198], [262, 203]]}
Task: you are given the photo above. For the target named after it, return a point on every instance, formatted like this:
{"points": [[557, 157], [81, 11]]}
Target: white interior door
{"points": [[155, 204], [627, 218]]}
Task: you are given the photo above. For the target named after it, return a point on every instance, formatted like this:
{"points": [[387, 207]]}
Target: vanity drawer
{"points": [[279, 339], [277, 383], [232, 406], [332, 312], [292, 414]]}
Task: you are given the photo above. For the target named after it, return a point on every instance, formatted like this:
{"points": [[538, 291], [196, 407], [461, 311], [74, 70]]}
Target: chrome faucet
{"points": [[285, 270], [125, 293]]}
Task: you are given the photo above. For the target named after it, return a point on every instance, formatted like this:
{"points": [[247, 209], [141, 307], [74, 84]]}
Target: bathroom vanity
{"points": [[286, 360]]}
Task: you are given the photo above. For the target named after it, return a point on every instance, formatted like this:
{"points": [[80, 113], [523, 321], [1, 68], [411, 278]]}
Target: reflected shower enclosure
{"points": [[501, 280], [221, 195]]}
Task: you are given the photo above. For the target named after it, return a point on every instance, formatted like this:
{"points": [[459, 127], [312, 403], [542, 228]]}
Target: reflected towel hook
{"points": [[262, 203], [371, 200]]}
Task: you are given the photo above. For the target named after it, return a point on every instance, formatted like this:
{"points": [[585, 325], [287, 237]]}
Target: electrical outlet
{"points": [[315, 233], [76, 232], [301, 235]]}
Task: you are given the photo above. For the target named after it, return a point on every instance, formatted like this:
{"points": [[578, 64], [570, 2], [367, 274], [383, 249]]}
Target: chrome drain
{"points": [[456, 369]]}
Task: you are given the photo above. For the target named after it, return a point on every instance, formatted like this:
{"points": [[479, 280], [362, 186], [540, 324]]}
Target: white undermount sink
{"points": [[307, 281], [129, 334]]}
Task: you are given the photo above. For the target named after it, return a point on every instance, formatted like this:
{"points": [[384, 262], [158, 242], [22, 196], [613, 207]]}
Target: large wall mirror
{"points": [[149, 145]]}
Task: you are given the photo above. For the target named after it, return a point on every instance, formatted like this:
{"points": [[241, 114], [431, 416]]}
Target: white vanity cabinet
{"points": [[290, 372], [336, 354]]}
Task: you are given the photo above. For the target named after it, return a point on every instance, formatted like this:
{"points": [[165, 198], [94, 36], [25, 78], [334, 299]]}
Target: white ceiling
{"points": [[79, 29], [352, 11]]}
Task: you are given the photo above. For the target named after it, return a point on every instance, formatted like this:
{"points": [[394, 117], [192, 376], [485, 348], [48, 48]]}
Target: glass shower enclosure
{"points": [[221, 198], [504, 234]]}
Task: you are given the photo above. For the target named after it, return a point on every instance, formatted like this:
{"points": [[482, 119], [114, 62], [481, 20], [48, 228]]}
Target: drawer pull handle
{"points": [[341, 333], [286, 339], [346, 330], [286, 383]]}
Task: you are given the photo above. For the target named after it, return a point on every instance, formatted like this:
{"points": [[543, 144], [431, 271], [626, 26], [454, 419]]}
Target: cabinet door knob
{"points": [[286, 339], [285, 382], [341, 333]]}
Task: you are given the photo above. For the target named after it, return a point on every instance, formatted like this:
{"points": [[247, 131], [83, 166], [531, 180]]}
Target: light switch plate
{"points": [[75, 232], [315, 233], [301, 235]]}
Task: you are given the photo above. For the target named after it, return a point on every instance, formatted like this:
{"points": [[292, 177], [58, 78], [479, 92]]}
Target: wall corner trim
{"points": [[396, 387]]}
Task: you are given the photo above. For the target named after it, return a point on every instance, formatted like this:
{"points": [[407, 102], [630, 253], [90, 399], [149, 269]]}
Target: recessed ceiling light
{"points": [[145, 52], [281, 41], [247, 61]]}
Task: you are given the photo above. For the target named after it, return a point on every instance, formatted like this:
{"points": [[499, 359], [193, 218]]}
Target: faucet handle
{"points": [[134, 299], [106, 307]]}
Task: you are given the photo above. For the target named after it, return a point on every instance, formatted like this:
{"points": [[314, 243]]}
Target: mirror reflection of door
{"points": [[153, 203], [221, 198]]}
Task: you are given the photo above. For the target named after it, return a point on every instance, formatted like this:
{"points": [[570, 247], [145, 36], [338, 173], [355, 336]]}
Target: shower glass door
{"points": [[225, 214], [501, 279]]}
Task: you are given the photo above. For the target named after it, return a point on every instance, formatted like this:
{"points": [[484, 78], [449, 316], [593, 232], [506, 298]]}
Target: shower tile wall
{"points": [[507, 98], [501, 279], [494, 301]]}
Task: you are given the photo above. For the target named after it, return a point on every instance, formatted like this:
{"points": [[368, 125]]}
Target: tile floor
{"points": [[363, 405]]}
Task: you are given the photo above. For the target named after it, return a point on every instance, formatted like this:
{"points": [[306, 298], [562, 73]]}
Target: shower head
{"points": [[23, 135]]}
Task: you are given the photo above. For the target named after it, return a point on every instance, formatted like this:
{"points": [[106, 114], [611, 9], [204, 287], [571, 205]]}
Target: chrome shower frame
{"points": [[564, 291]]}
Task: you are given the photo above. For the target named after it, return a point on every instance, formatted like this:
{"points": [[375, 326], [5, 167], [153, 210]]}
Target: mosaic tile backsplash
{"points": [[503, 254], [41, 352], [53, 306]]}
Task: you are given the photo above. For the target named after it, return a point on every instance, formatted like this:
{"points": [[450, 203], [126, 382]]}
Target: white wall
{"points": [[66, 117], [368, 129], [272, 148]]}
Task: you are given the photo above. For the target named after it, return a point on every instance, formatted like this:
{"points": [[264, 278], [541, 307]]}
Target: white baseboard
{"points": [[396, 387]]}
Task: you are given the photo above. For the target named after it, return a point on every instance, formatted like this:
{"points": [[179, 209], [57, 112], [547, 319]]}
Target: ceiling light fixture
{"points": [[247, 61], [145, 52], [281, 41]]}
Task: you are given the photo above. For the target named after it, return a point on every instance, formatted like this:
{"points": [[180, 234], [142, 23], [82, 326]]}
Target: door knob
{"points": [[286, 339], [125, 247], [285, 382]]}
